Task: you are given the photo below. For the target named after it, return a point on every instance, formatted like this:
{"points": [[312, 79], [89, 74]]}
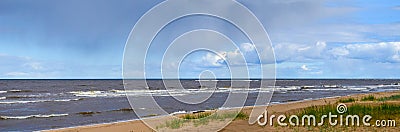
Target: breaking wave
{"points": [[32, 116]]}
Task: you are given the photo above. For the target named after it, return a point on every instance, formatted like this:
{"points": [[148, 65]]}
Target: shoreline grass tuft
{"points": [[347, 100], [381, 111], [368, 98], [393, 97], [203, 119]]}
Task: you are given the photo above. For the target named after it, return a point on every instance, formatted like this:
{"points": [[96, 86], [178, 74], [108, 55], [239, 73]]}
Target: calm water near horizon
{"points": [[27, 105]]}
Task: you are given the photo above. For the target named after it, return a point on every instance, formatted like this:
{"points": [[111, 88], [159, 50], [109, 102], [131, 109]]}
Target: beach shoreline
{"points": [[236, 125]]}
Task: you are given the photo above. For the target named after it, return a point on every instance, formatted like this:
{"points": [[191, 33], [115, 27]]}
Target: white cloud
{"points": [[17, 74], [339, 51], [22, 67], [211, 59], [247, 47], [375, 52], [359, 68], [299, 52], [396, 57], [34, 65], [305, 68], [379, 52], [351, 60], [242, 56], [13, 65]]}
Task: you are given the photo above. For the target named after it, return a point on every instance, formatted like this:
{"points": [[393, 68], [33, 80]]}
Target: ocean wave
{"points": [[373, 87], [179, 112], [383, 90], [21, 102], [357, 88], [3, 91], [183, 92], [169, 92], [32, 116], [67, 100], [89, 93], [17, 97], [18, 91], [2, 98], [276, 102], [288, 88], [37, 101], [326, 89], [26, 96]]}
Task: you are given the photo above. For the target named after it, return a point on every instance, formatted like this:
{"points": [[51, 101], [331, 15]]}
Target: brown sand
{"points": [[236, 125]]}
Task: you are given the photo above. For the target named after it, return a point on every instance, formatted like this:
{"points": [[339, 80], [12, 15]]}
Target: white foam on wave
{"points": [[36, 101], [275, 102], [178, 112], [289, 88], [357, 88], [3, 91], [32, 116], [21, 102], [15, 90], [228, 108], [88, 93], [380, 87], [66, 100], [169, 92], [2, 98], [183, 92], [327, 89], [30, 95]]}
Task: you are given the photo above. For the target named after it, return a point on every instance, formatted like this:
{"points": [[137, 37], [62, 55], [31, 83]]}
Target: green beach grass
{"points": [[380, 110], [347, 100], [368, 98], [394, 97], [203, 119]]}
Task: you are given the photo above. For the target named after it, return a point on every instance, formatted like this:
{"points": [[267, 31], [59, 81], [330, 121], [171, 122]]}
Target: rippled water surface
{"points": [[47, 104]]}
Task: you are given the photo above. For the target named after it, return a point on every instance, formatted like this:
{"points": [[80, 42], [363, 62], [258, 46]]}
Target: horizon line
{"points": [[191, 78]]}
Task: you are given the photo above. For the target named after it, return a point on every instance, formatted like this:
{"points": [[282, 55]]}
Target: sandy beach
{"points": [[239, 125]]}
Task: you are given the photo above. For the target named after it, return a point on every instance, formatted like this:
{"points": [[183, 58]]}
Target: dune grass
{"points": [[197, 116], [393, 97], [372, 98], [378, 111], [347, 100], [241, 116], [368, 98], [203, 119], [175, 123], [382, 110]]}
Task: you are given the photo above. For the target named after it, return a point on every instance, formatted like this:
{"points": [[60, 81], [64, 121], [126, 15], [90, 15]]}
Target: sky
{"points": [[75, 39]]}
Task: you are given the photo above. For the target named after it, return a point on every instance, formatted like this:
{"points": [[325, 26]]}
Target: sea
{"points": [[31, 105]]}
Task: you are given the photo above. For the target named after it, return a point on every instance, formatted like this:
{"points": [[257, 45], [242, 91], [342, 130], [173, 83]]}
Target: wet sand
{"points": [[236, 125]]}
